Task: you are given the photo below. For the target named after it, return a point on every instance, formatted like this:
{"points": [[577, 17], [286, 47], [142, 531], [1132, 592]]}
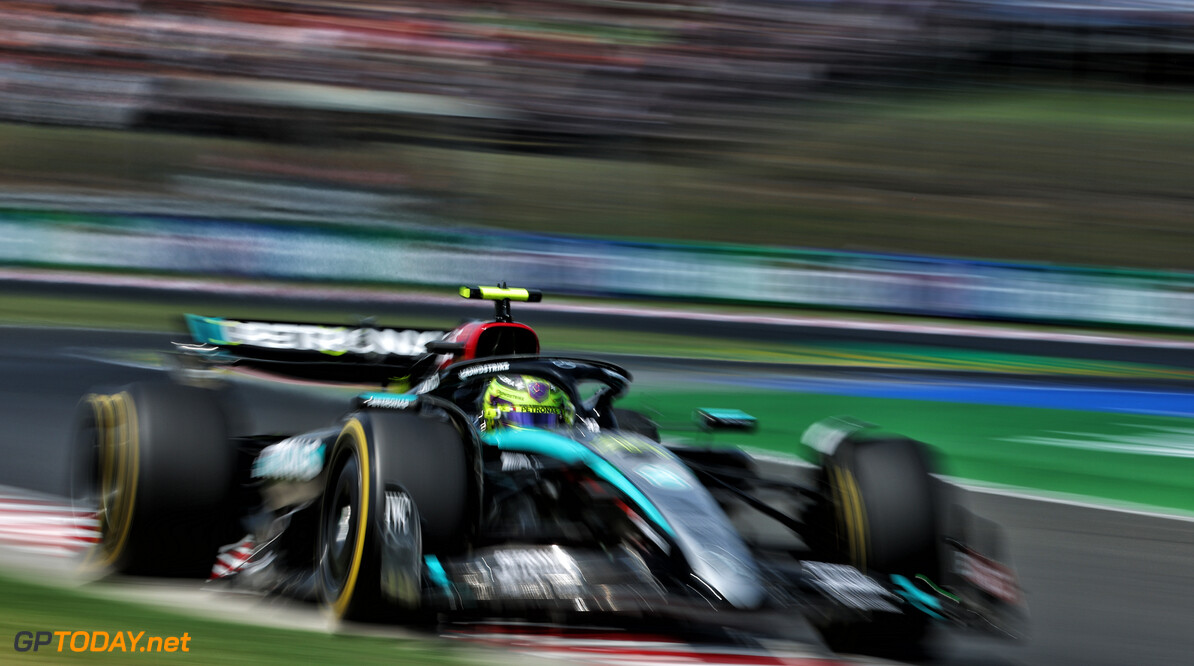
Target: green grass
{"points": [[1064, 175], [33, 607], [978, 442]]}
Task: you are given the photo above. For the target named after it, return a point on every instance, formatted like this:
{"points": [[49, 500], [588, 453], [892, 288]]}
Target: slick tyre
{"points": [[155, 463], [886, 505], [885, 512], [398, 488]]}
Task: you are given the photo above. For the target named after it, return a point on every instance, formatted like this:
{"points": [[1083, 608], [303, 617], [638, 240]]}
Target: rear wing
{"points": [[318, 351], [365, 353]]}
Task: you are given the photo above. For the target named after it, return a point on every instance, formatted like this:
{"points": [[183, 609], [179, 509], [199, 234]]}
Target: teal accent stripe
{"points": [[436, 570], [922, 600], [541, 442], [207, 330]]}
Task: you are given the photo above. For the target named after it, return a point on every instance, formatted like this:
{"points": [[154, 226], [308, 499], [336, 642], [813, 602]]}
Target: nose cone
{"points": [[721, 561], [668, 492]]}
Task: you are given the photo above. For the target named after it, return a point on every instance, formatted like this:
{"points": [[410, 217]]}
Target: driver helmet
{"points": [[522, 401]]}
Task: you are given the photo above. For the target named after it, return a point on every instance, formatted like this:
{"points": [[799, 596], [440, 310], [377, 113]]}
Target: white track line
{"points": [[1080, 501], [1016, 492]]}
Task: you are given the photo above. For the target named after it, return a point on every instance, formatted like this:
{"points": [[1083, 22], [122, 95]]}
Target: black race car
{"points": [[474, 475]]}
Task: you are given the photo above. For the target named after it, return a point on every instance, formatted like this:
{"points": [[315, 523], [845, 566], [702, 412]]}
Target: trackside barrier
{"points": [[605, 267]]}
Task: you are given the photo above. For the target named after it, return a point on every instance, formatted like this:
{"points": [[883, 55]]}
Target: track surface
{"points": [[1104, 587]]}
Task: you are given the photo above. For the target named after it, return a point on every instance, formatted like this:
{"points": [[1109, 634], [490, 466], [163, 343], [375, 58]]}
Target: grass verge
{"points": [[1131, 458], [42, 608]]}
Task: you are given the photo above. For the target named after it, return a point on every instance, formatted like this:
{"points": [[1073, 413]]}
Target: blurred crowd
{"points": [[557, 65], [614, 67]]}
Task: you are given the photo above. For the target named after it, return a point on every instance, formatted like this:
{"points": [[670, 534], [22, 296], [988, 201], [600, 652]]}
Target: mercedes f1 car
{"points": [[475, 475]]}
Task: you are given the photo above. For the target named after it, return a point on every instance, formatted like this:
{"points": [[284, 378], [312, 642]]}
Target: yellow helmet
{"points": [[523, 401]]}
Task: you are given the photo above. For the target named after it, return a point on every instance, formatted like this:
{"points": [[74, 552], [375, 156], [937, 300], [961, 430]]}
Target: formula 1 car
{"points": [[475, 475]]}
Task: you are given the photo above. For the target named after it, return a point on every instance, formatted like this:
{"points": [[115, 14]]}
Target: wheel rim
{"points": [[108, 476], [341, 527], [851, 516], [344, 523]]}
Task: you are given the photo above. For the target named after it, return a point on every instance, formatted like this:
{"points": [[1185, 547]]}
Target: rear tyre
{"points": [[155, 463], [885, 515], [398, 488]]}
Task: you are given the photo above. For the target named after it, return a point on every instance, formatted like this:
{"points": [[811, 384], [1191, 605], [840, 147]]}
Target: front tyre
{"points": [[397, 489], [348, 553], [884, 511]]}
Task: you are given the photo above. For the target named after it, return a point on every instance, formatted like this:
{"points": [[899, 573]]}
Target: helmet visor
{"points": [[529, 419]]}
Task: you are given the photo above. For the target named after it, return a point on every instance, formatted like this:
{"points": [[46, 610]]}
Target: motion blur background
{"points": [[1016, 160], [1051, 139]]}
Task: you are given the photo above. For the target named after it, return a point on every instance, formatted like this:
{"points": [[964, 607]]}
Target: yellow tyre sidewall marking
{"points": [[103, 473], [354, 430], [852, 514], [841, 526], [119, 462]]}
